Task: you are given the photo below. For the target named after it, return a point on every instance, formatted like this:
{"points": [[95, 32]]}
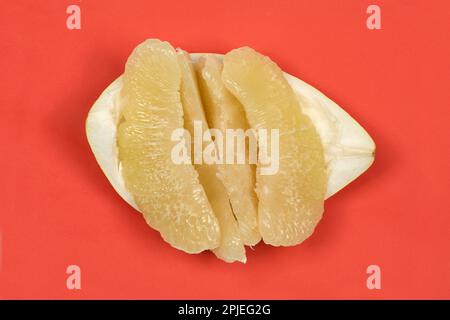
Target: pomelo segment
{"points": [[170, 196], [231, 246], [223, 111], [290, 201]]}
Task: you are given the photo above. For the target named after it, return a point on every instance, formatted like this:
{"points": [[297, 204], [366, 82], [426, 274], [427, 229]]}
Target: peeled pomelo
{"points": [[170, 196], [348, 152], [231, 247], [223, 111]]}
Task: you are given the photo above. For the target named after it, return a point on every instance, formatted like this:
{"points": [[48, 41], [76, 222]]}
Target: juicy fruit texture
{"points": [[231, 247], [223, 111], [291, 201], [170, 196]]}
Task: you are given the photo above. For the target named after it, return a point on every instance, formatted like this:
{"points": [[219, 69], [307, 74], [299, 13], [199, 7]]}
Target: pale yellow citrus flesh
{"points": [[231, 246], [170, 196], [290, 201], [223, 111]]}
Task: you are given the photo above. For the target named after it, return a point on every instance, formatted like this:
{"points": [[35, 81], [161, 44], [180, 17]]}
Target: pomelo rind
{"points": [[349, 150]]}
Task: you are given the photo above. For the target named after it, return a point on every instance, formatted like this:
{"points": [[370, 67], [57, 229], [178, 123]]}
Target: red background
{"points": [[58, 209]]}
